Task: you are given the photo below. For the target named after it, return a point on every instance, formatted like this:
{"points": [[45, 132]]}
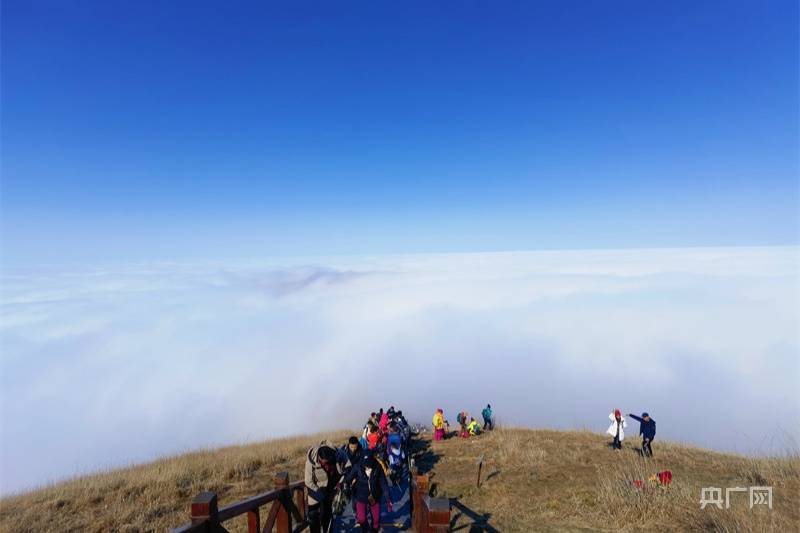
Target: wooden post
{"points": [[421, 487], [283, 522], [300, 502], [438, 515], [204, 508], [253, 521]]}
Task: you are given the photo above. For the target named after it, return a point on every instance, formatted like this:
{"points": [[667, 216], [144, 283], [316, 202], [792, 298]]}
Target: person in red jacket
{"points": [[373, 436]]}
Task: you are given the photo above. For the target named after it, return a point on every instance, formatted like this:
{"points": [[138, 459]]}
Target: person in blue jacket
{"points": [[647, 429], [369, 487], [488, 421]]}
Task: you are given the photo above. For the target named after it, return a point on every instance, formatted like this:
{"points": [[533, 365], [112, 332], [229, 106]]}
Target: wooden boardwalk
{"points": [[286, 509], [398, 520]]}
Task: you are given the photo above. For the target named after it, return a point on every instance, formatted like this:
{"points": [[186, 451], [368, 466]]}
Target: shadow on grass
{"points": [[494, 473], [424, 456], [641, 454], [480, 521]]}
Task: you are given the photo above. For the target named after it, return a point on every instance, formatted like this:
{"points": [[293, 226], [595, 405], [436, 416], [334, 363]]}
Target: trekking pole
{"points": [[337, 508], [480, 466]]}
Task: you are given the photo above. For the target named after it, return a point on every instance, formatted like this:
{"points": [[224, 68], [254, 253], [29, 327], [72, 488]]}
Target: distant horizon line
{"points": [[4, 267]]}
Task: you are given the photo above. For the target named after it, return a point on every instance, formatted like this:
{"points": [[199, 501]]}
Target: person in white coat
{"points": [[617, 428]]}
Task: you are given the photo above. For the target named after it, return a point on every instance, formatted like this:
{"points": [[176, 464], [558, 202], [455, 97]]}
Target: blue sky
{"points": [[155, 130]]}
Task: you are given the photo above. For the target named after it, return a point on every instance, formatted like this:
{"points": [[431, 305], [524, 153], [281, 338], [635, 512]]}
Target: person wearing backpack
{"points": [[617, 427], [369, 486], [462, 422], [647, 429], [488, 422], [321, 477]]}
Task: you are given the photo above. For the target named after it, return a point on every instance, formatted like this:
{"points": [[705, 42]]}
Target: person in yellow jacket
{"points": [[438, 425], [473, 427]]}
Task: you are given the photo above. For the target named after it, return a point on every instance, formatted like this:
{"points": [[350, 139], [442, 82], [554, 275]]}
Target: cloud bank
{"points": [[103, 367]]}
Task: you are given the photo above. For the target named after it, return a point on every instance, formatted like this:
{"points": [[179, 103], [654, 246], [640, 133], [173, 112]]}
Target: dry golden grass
{"points": [[534, 480], [555, 481], [156, 496]]}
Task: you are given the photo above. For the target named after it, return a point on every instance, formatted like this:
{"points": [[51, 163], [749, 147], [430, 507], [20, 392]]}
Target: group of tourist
{"points": [[359, 471], [647, 429], [468, 426]]}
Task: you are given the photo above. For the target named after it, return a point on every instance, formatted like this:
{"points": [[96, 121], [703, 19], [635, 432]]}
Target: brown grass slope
{"points": [[534, 480], [538, 480]]}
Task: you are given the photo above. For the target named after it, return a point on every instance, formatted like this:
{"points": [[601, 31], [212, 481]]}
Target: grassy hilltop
{"points": [[532, 480]]}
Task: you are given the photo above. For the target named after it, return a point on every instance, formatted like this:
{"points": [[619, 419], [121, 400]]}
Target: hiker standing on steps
{"points": [[647, 429], [373, 436], [617, 428], [488, 422], [321, 477], [383, 421], [350, 454], [349, 457], [368, 483], [438, 425]]}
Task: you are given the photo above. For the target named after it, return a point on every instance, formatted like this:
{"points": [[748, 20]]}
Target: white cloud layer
{"points": [[105, 367]]}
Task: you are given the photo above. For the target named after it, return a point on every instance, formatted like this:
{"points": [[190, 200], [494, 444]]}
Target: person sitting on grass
{"points": [[369, 486], [647, 429], [617, 427], [473, 428]]}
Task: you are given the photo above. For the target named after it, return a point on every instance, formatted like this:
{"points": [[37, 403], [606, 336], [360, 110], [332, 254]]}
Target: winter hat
{"points": [[645, 414], [617, 413]]}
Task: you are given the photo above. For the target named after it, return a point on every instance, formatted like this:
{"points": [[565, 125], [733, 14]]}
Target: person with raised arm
{"points": [[617, 428], [647, 429]]}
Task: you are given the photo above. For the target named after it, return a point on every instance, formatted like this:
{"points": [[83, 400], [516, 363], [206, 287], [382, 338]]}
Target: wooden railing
{"points": [[287, 514], [288, 511], [428, 514]]}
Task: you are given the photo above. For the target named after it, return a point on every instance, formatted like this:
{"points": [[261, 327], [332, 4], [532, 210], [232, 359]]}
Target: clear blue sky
{"points": [[168, 130]]}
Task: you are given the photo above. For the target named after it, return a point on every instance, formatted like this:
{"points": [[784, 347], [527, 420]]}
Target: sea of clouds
{"points": [[106, 366]]}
